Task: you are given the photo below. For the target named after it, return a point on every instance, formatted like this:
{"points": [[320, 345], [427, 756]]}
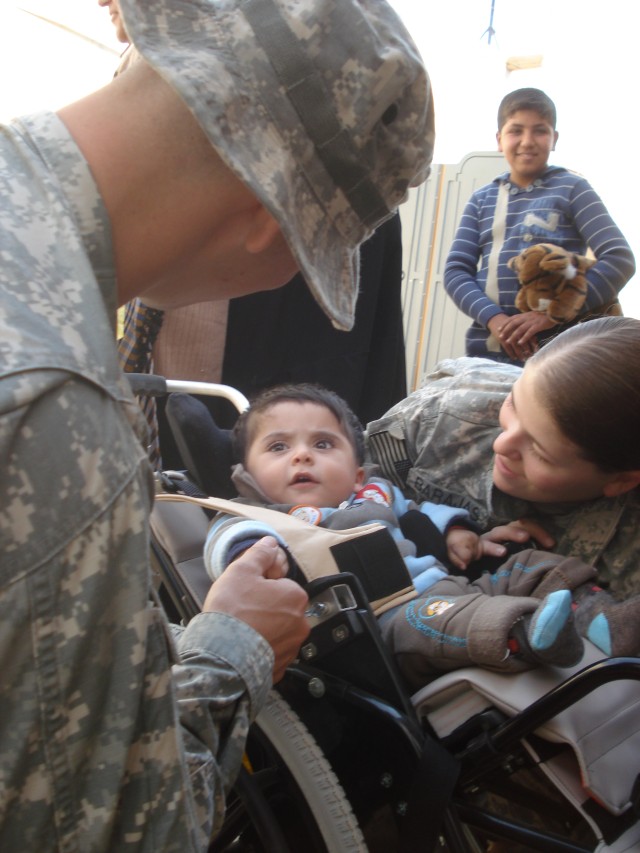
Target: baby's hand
{"points": [[463, 547]]}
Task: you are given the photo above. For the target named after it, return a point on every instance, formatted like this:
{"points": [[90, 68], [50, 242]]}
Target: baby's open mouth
{"points": [[302, 478]]}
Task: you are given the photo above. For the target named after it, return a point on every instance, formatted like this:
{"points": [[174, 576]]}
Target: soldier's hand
{"points": [[521, 531], [254, 589]]}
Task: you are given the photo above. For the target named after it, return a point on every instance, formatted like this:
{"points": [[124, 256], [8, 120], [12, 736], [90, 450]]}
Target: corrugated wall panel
{"points": [[434, 327]]}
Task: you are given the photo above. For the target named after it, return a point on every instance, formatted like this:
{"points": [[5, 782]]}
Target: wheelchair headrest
{"points": [[205, 448]]}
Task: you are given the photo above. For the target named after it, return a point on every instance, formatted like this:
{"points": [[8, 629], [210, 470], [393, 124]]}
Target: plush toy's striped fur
{"points": [[552, 280]]}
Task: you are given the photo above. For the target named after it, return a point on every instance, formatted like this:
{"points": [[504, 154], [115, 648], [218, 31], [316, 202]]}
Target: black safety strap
{"points": [[376, 562]]}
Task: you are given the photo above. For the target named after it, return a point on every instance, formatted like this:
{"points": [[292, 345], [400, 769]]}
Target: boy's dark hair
{"points": [[302, 392], [526, 99]]}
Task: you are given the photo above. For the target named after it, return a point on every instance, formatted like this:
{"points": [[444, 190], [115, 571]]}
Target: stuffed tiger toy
{"points": [[552, 281]]}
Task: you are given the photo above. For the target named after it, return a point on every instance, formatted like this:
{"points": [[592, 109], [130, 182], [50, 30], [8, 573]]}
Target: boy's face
{"points": [[526, 140], [299, 454]]}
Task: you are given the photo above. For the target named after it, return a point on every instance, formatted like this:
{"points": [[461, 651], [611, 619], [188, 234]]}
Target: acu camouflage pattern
{"points": [[436, 445], [93, 757], [322, 107]]}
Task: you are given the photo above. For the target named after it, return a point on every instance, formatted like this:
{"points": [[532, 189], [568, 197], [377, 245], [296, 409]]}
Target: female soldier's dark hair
{"points": [[589, 378]]}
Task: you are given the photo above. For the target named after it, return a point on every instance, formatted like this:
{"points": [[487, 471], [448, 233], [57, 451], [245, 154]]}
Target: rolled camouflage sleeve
{"points": [[221, 683]]}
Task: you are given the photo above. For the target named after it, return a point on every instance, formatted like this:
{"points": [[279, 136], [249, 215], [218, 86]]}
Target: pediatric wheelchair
{"points": [[343, 759]]}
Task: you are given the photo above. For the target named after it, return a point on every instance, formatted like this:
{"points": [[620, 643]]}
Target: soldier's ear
{"points": [[622, 483], [263, 231]]}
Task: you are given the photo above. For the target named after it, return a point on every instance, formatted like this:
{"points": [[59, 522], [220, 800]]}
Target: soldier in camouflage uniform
{"points": [[438, 444], [116, 735]]}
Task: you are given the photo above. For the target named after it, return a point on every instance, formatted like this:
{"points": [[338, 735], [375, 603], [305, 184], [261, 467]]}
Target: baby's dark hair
{"points": [[526, 99], [302, 392]]}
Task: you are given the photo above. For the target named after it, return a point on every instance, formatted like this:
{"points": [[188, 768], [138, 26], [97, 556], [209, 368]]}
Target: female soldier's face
{"points": [[534, 460]]}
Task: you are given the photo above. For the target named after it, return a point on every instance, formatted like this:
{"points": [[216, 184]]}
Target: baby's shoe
{"points": [[549, 634], [613, 626]]}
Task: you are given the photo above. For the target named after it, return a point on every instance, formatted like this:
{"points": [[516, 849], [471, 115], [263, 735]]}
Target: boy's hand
{"points": [[517, 335], [254, 589]]}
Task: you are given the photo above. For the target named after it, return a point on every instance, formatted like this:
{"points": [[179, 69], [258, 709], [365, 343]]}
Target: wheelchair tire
{"points": [[290, 800]]}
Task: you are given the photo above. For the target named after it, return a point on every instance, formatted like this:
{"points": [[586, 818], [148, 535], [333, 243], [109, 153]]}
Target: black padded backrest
{"points": [[204, 447]]}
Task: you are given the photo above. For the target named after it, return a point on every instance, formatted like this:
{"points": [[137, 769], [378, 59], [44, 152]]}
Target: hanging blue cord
{"points": [[490, 31]]}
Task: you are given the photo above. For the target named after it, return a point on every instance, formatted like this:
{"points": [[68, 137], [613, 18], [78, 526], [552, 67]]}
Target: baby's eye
{"points": [[276, 447], [324, 444]]}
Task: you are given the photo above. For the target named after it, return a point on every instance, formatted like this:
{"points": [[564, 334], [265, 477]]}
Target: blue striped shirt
{"points": [[559, 207]]}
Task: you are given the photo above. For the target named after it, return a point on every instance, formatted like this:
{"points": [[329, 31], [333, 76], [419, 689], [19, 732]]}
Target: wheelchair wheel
{"points": [[287, 799]]}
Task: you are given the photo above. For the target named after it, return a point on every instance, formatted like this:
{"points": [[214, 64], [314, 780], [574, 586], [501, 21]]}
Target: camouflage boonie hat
{"points": [[322, 107]]}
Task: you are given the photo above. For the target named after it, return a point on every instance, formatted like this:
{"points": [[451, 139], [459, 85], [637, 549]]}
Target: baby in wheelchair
{"points": [[580, 731], [302, 452]]}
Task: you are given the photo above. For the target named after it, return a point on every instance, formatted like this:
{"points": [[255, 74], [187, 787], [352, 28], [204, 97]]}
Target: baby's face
{"points": [[300, 455]]}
